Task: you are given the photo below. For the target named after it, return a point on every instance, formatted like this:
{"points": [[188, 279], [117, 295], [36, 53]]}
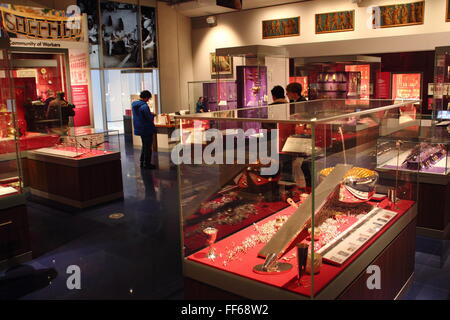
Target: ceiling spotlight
{"points": [[211, 21]]}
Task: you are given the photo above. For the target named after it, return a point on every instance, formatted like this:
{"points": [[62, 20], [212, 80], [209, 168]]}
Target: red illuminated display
{"points": [[364, 69], [406, 85]]}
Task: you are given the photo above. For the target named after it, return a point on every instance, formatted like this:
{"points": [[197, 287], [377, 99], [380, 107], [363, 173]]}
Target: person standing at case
{"points": [[278, 96], [294, 92], [144, 126]]}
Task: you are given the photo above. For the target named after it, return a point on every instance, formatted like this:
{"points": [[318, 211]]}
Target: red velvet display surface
{"points": [[197, 239], [29, 141], [243, 266]]}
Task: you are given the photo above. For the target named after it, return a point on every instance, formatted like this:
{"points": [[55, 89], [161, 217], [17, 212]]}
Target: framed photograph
{"points": [[120, 36], [335, 22], [447, 11], [431, 89], [279, 28], [149, 41], [221, 65], [399, 15], [232, 4]]}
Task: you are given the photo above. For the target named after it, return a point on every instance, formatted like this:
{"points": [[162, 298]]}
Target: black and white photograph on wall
{"points": [[121, 44], [149, 43], [91, 9]]}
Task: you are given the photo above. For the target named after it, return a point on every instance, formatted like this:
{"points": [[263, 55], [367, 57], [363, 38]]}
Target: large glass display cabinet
{"points": [[339, 77], [241, 77], [14, 233], [294, 207], [11, 185]]}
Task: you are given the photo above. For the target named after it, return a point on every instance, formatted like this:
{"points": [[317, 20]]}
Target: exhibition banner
{"points": [[79, 77], [40, 24]]}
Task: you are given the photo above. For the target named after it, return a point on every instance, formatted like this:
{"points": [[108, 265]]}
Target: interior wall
{"points": [[245, 28], [175, 58]]}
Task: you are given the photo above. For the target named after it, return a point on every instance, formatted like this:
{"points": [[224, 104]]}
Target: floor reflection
{"points": [[134, 257]]}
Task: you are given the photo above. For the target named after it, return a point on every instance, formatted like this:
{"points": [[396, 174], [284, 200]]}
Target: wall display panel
{"points": [[364, 69], [406, 85], [399, 15], [10, 166], [335, 22], [279, 28], [91, 10], [149, 37], [120, 35], [251, 85]]}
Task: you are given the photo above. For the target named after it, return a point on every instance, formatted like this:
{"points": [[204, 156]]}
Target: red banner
{"points": [[80, 98], [383, 86]]}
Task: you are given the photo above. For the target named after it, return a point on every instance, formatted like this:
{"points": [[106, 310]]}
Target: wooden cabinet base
{"points": [[433, 219], [14, 236], [76, 185]]}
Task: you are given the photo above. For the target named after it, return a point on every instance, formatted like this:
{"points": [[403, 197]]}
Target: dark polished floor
{"points": [[138, 256]]}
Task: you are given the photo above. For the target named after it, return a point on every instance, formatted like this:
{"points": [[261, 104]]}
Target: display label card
{"points": [[295, 224], [343, 247], [298, 145], [7, 190]]}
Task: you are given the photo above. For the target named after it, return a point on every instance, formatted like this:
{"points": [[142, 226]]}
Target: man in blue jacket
{"points": [[144, 126]]}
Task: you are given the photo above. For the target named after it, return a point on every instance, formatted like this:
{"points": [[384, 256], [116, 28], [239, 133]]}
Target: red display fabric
{"points": [[243, 266], [197, 239]]}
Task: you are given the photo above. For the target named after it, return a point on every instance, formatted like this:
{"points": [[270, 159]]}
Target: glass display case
{"points": [[294, 207], [439, 90], [11, 184], [428, 153], [216, 97], [406, 86], [339, 77], [425, 156], [83, 143], [256, 70]]}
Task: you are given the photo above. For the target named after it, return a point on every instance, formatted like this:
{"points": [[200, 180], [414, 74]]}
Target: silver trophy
{"points": [[212, 236]]}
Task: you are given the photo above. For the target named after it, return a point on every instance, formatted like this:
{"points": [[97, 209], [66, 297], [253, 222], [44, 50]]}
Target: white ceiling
{"points": [[200, 8]]}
